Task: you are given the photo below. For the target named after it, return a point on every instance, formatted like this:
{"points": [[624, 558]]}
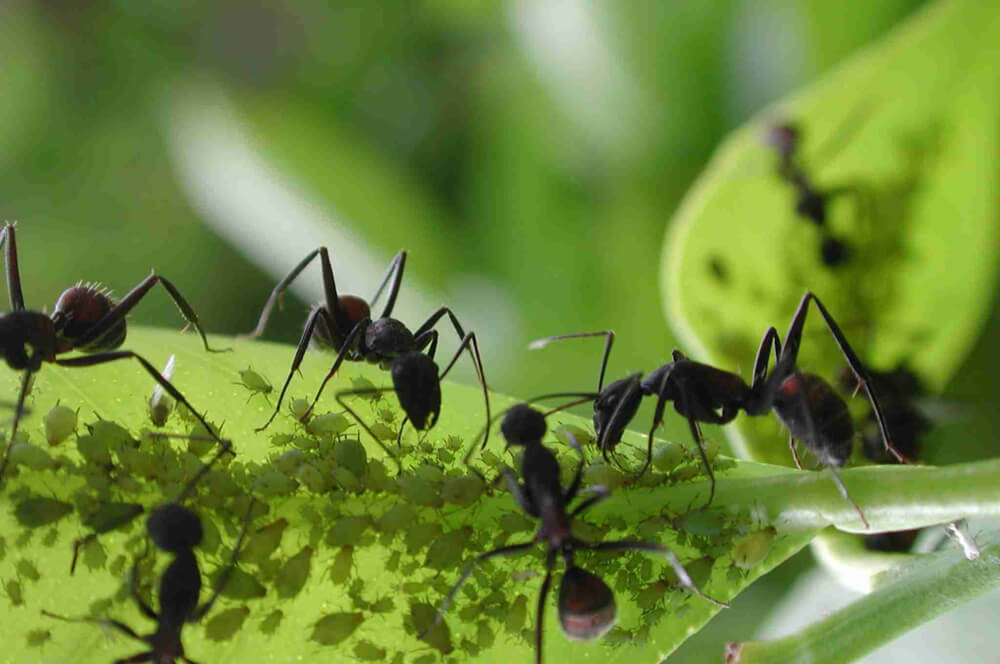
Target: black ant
{"points": [[86, 319], [805, 403], [586, 604], [177, 530], [810, 201], [344, 323]]}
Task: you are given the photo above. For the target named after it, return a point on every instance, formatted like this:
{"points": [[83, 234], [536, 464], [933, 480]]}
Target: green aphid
{"points": [[377, 477], [289, 461], [396, 518], [304, 443], [254, 382], [453, 442], [36, 638], [269, 625], [752, 548], [312, 479], [347, 481], [582, 436], [419, 491], [109, 516], [100, 607], [517, 613], [60, 424], [14, 591], [420, 535], [27, 570], [351, 454], [438, 636], [201, 440], [335, 628], [392, 563], [185, 414], [446, 552], [272, 484], [383, 605], [3, 547], [362, 383], [40, 511], [485, 636], [211, 538], [161, 403], [398, 658], [652, 595], [600, 473], [366, 651], [117, 566], [686, 473], [490, 459], [515, 522], [31, 456], [94, 555], [328, 424], [340, 568], [383, 432], [426, 659], [700, 523], [387, 416], [224, 624], [668, 457], [700, 571], [588, 532], [298, 408], [430, 473], [113, 434], [241, 585], [348, 531], [292, 576]]}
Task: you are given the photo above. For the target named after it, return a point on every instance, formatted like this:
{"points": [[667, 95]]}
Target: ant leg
{"points": [[133, 588], [661, 403], [609, 341], [300, 351], [509, 550], [279, 290], [550, 561], [105, 622], [600, 493], [625, 401], [633, 545], [9, 243], [201, 611], [19, 410], [700, 444], [843, 491], [520, 495], [399, 433], [128, 302], [795, 452], [395, 272], [205, 467], [860, 373], [770, 340], [574, 486], [368, 390], [469, 343], [126, 516], [362, 324], [103, 358]]}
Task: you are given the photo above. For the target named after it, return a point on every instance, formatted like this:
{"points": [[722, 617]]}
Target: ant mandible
{"points": [[176, 530], [85, 319], [805, 403], [586, 604], [811, 202], [344, 323]]}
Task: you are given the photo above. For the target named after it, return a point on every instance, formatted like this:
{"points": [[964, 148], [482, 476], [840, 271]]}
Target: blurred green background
{"points": [[527, 153]]}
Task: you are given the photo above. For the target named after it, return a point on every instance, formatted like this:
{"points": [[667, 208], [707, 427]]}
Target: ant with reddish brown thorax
{"points": [[176, 530], [344, 323], [85, 319], [586, 604], [805, 403]]}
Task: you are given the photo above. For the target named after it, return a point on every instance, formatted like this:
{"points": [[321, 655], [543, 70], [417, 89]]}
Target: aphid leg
{"points": [[279, 290], [111, 356], [132, 298], [9, 243], [202, 610], [368, 390], [509, 550], [793, 338], [609, 341], [355, 331], [19, 410], [632, 545], [395, 273], [550, 561]]}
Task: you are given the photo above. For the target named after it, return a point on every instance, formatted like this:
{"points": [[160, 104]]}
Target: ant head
{"points": [[20, 329], [418, 388], [523, 425], [174, 528], [586, 605], [783, 137], [79, 307], [617, 405]]}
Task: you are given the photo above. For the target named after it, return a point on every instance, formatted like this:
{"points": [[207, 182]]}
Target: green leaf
{"points": [[406, 554], [913, 124]]}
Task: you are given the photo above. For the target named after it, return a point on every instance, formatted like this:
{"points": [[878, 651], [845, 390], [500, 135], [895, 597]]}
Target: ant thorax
{"points": [[385, 339], [816, 415], [78, 309]]}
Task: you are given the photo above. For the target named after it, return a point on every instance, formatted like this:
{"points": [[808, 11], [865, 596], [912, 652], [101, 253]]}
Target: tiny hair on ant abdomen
{"points": [[345, 324], [176, 530], [586, 604], [85, 319]]}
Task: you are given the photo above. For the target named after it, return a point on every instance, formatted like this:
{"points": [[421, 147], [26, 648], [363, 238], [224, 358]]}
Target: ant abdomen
{"points": [[586, 605], [78, 309], [816, 415], [174, 528], [415, 379]]}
